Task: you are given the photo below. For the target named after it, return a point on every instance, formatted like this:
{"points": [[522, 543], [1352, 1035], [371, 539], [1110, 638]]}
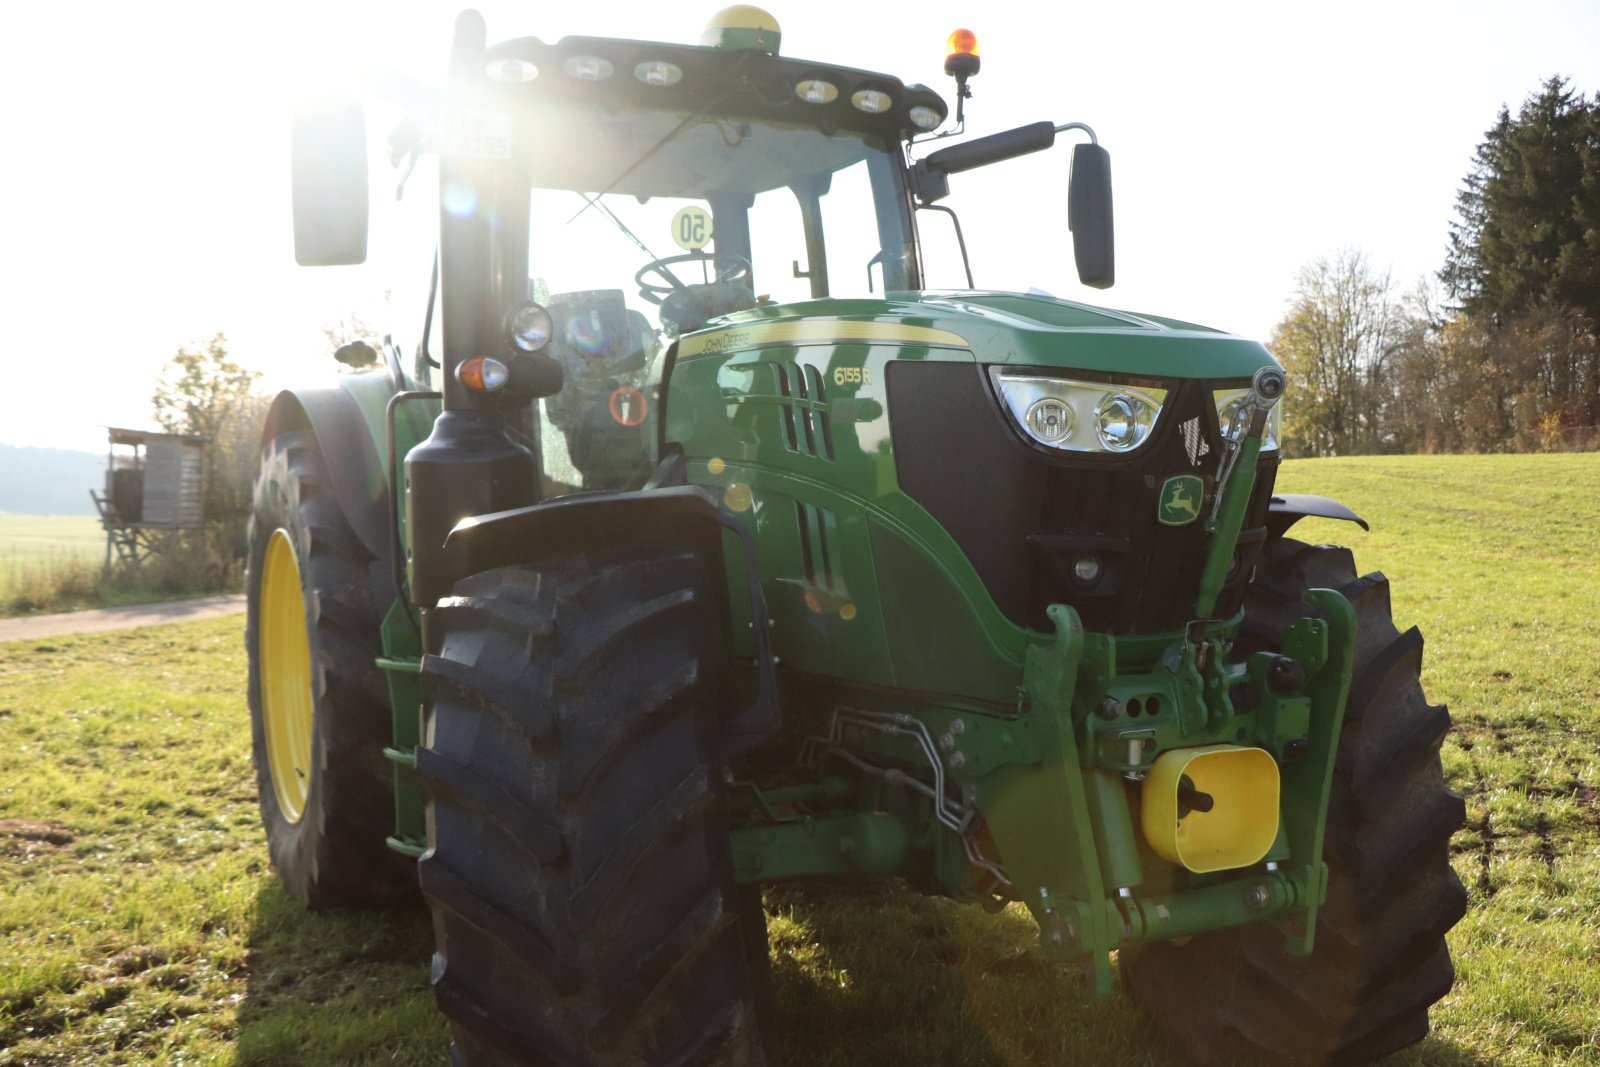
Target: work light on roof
{"points": [[924, 117], [817, 91], [588, 68], [513, 71], [658, 72], [872, 101]]}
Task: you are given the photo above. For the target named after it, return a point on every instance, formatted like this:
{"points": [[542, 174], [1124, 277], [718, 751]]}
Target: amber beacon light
{"points": [[961, 62], [961, 56]]}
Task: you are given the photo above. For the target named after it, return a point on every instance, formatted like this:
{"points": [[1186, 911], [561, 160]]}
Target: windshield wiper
{"points": [[590, 202], [618, 223], [694, 115]]}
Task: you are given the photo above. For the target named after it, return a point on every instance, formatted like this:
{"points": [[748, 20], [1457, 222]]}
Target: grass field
{"points": [[48, 558], [141, 922], [28, 537], [54, 563]]}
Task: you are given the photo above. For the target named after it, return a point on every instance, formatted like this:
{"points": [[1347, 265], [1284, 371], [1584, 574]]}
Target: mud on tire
{"points": [[334, 854], [1380, 959], [579, 870]]}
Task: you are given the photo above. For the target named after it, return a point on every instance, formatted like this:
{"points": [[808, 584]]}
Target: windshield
{"points": [[794, 211], [656, 223]]}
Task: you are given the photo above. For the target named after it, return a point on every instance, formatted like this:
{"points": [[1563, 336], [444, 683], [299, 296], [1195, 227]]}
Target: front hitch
{"points": [[1075, 830]]}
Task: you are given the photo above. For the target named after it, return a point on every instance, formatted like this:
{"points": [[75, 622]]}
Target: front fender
{"points": [[686, 516], [1287, 509]]}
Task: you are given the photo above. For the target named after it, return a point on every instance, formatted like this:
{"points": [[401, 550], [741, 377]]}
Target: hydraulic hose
{"points": [[1239, 479]]}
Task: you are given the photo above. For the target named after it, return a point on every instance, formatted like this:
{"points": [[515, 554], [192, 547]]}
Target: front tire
{"points": [[579, 869], [319, 711], [1380, 959]]}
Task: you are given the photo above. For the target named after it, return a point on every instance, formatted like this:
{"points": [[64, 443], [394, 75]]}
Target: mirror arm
{"points": [[1065, 126], [955, 220]]}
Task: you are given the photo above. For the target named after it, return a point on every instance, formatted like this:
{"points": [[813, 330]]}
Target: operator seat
{"points": [[688, 309]]}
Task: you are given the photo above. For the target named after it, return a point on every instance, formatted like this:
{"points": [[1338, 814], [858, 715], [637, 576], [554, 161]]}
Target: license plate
{"points": [[455, 131]]}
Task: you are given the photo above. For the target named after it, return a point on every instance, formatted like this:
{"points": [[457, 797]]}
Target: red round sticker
{"points": [[628, 405]]}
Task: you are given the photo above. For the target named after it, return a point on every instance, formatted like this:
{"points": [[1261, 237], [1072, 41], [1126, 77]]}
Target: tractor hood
{"points": [[995, 328]]}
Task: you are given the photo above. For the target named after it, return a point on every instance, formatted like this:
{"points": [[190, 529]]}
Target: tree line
{"points": [[1500, 352]]}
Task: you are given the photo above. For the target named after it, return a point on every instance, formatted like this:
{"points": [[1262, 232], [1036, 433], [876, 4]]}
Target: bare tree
{"points": [[1343, 328], [202, 391]]}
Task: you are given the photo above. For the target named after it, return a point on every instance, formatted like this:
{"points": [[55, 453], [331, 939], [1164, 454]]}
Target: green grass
{"points": [[48, 561], [25, 537], [56, 563], [141, 922]]}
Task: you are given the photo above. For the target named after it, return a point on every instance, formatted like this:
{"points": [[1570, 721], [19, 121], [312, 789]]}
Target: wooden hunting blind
{"points": [[155, 485]]}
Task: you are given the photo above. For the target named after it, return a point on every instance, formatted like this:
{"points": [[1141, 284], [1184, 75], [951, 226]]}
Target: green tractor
{"points": [[630, 582]]}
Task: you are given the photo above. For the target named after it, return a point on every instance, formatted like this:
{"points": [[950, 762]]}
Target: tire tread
{"points": [[583, 694]]}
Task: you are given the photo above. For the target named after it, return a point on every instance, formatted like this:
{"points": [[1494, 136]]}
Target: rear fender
{"points": [[350, 452]]}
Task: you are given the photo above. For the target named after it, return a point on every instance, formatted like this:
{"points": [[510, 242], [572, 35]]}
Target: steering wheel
{"points": [[729, 268]]}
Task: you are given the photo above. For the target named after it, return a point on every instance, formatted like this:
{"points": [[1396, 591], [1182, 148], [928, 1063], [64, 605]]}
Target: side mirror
{"points": [[329, 168], [1089, 216]]}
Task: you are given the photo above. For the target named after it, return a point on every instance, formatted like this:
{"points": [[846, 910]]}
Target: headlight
{"points": [[529, 327], [1078, 416], [1229, 403]]}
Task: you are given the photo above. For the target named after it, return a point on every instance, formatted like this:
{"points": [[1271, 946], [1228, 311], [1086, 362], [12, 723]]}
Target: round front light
{"points": [[530, 327], [1086, 569], [1122, 422], [924, 117], [1049, 421]]}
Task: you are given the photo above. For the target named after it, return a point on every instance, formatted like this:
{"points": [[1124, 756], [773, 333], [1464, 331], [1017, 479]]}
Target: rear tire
{"points": [[1380, 959], [579, 869], [326, 792]]}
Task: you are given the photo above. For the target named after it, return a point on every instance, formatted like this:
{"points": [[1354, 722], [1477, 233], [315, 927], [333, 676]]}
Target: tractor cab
{"points": [[688, 186], [604, 197]]}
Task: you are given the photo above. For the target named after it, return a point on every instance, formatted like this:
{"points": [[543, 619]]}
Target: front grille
{"points": [[1023, 514]]}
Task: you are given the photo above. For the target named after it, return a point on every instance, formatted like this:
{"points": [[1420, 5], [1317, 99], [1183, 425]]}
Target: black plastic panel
{"points": [[1023, 514]]}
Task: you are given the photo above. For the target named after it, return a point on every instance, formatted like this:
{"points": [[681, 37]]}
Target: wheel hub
{"points": [[285, 656]]}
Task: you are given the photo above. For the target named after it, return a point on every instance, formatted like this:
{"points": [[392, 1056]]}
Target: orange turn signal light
{"points": [[482, 374]]}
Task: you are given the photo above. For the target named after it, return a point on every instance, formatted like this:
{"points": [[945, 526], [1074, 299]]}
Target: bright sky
{"points": [[145, 179]]}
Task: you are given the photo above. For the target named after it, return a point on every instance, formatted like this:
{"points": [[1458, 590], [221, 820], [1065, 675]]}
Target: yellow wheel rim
{"points": [[285, 657]]}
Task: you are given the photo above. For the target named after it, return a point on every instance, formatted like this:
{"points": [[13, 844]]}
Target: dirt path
{"points": [[84, 622]]}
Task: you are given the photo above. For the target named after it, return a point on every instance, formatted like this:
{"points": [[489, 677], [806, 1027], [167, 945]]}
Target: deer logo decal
{"points": [[1179, 503]]}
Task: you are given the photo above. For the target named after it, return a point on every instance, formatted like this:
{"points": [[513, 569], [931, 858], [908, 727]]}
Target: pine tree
{"points": [[1528, 232]]}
